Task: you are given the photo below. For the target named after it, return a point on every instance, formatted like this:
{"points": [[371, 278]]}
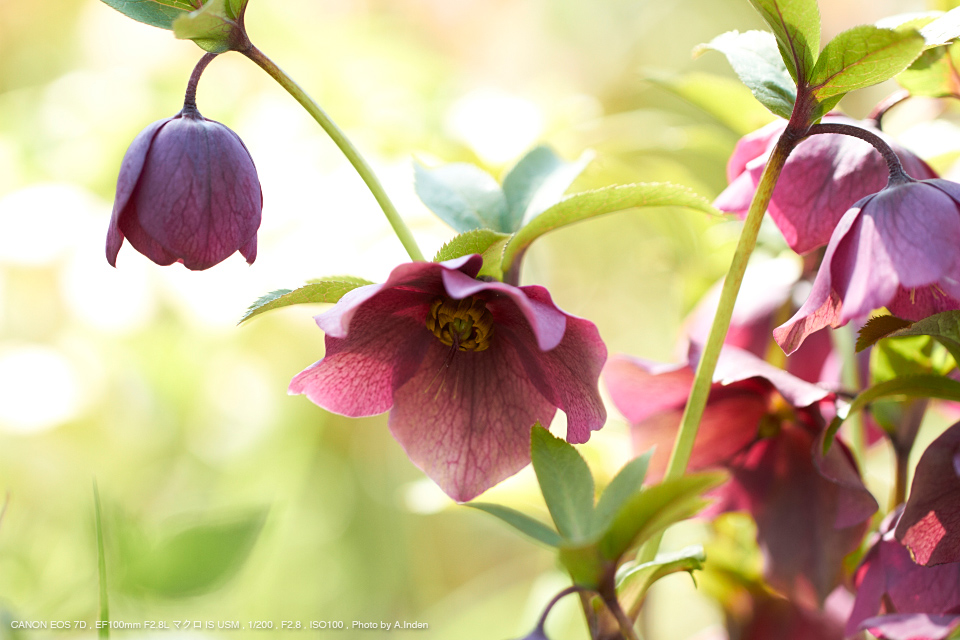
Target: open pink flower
{"points": [[823, 177], [895, 249], [467, 367], [188, 192]]}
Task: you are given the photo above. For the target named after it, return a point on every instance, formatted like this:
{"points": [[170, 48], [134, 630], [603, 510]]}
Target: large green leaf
{"points": [[862, 57], [325, 290], [654, 509], [634, 582], [627, 483], [195, 559], [586, 205], [521, 522], [464, 196], [488, 244], [538, 181], [796, 25], [565, 481], [754, 57], [157, 13]]}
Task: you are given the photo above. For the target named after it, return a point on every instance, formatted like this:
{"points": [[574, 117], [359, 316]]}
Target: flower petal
{"points": [[464, 417], [911, 626]]}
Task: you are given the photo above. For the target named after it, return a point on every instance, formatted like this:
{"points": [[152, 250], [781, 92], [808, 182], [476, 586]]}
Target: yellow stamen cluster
{"points": [[466, 324]]}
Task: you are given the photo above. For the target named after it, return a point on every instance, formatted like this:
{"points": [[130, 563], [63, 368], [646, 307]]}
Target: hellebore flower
{"points": [[761, 423], [930, 525], [188, 192], [824, 175], [915, 602], [467, 367]]}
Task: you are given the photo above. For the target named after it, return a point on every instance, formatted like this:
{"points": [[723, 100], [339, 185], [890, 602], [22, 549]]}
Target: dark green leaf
{"points": [[727, 100], [538, 181], [464, 196], [586, 205], [654, 509], [325, 290], [212, 28], [521, 522], [878, 327], [565, 481], [634, 582], [627, 482], [753, 56], [195, 559], [796, 25], [916, 386], [157, 13], [862, 57], [488, 244], [934, 73]]}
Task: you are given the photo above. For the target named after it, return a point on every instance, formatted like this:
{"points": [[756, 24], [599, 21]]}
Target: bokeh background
{"points": [[139, 377]]}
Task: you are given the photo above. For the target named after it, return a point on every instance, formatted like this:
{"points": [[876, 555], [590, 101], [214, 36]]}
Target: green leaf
{"points": [[654, 509], [862, 57], [796, 25], [565, 481], [878, 327], [586, 205], [634, 582], [488, 244], [945, 327], [521, 522], [915, 386], [538, 181], [904, 357], [934, 73], [325, 290], [584, 563], [195, 559], [943, 30], [156, 13], [754, 57], [627, 483], [727, 100], [464, 196], [214, 27]]}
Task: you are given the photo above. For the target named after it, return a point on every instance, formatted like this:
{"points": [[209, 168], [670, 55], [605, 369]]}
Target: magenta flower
{"points": [[188, 192], [895, 249], [762, 424], [466, 367], [824, 176], [930, 525]]}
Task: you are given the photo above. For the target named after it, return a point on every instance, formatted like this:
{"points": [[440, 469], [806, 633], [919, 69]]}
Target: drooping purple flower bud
{"points": [[188, 192]]}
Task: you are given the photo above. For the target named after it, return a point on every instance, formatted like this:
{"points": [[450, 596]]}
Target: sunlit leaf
{"points": [[521, 522], [934, 74], [565, 481], [325, 290], [464, 196], [878, 327], [589, 204], [157, 13], [944, 327], [488, 244], [944, 30], [862, 57], [756, 61], [796, 25], [727, 100]]}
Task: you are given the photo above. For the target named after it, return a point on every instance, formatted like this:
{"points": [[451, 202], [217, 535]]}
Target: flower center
{"points": [[465, 324]]}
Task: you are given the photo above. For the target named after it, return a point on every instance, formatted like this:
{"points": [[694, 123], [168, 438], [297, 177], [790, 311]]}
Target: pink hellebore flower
{"points": [[897, 249], [823, 177], [188, 192], [465, 366]]}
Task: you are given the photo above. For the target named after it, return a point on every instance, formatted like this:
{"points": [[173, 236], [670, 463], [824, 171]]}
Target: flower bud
{"points": [[188, 192]]}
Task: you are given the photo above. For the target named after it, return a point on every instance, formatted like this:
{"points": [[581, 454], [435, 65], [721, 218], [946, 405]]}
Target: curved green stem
{"points": [[341, 140], [697, 402]]}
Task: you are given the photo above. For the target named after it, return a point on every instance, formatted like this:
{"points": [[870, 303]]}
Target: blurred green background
{"points": [[138, 376]]}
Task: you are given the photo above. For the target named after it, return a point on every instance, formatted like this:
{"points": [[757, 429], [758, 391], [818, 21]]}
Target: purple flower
{"points": [[930, 525], [466, 366], [187, 192], [823, 177], [761, 423], [895, 249]]}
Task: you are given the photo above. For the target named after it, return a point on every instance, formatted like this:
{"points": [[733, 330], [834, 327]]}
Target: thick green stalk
{"points": [[341, 140]]}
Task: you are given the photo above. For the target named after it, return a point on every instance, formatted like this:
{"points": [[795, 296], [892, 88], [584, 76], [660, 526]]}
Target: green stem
{"points": [[341, 140], [703, 379], [844, 341], [104, 631]]}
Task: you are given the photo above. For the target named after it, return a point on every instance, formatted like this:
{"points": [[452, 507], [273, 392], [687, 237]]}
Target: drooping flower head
{"points": [[895, 249], [823, 177], [465, 366], [188, 192]]}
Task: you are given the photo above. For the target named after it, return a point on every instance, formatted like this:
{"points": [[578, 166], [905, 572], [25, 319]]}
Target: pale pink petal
{"points": [[735, 365], [911, 626]]}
